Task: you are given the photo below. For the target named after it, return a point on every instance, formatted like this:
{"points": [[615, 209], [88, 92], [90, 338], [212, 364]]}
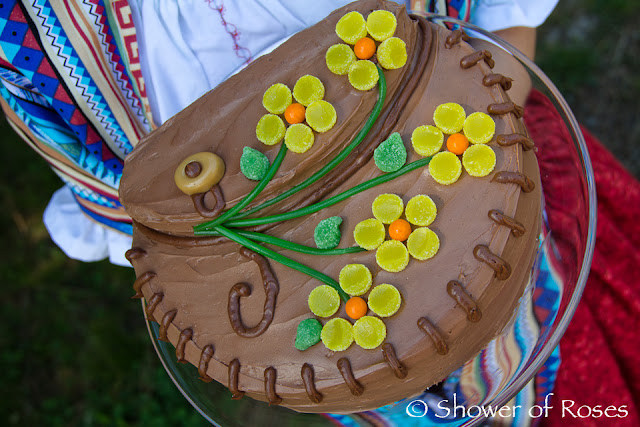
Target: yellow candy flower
{"points": [[445, 167], [353, 29]]}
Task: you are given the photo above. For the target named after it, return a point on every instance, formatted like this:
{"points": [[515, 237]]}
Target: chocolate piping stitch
{"points": [[399, 370], [198, 202], [203, 365], [517, 229], [344, 366], [141, 280], [464, 300], [185, 336], [164, 324], [432, 332]]}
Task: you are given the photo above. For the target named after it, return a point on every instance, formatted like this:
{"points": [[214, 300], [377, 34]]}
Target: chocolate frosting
{"points": [[196, 274], [515, 138]]}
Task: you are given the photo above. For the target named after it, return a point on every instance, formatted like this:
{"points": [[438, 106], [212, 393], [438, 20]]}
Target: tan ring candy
{"points": [[210, 172]]}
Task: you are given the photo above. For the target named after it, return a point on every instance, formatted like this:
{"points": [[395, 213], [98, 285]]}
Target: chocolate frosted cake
{"points": [[343, 223]]}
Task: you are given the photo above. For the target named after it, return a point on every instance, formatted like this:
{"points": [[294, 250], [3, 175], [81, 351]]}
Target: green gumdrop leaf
{"points": [[391, 154], [308, 334], [253, 164], [327, 233]]}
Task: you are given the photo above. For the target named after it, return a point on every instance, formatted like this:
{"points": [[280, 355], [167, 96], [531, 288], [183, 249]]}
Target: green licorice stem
{"points": [[276, 241], [249, 244], [330, 201], [249, 197], [377, 108]]}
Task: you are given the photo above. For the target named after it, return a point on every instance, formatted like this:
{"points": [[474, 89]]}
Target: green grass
{"points": [[75, 350]]}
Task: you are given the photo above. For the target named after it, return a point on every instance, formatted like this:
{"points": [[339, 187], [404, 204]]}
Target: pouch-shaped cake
{"points": [[344, 222]]}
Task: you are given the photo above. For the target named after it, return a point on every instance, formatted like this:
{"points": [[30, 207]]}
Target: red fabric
{"points": [[600, 350]]}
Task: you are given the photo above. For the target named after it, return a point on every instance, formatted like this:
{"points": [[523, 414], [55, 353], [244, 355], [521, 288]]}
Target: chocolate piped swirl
{"points": [[199, 205], [271, 290], [475, 57], [140, 281], [497, 79], [506, 108], [389, 353], [497, 264], [464, 300], [203, 365], [308, 379], [344, 366], [432, 332], [523, 181], [515, 138], [517, 229], [455, 37], [185, 336], [164, 325], [234, 373], [270, 377], [152, 304]]}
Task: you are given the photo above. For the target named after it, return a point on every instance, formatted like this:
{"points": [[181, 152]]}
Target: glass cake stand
{"points": [[559, 275]]}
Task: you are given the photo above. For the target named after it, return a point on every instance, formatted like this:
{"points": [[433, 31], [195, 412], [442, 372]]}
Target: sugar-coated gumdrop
{"points": [[479, 160], [308, 334], [277, 98], [327, 233], [479, 128], [427, 140], [351, 27], [392, 256], [369, 234], [337, 334], [423, 243], [445, 168], [387, 208], [339, 58], [384, 300], [392, 53], [270, 129], [421, 210], [308, 89], [299, 138], [355, 308], [391, 154], [449, 117], [355, 279], [369, 332], [253, 164], [324, 301], [321, 116], [363, 75], [381, 24]]}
